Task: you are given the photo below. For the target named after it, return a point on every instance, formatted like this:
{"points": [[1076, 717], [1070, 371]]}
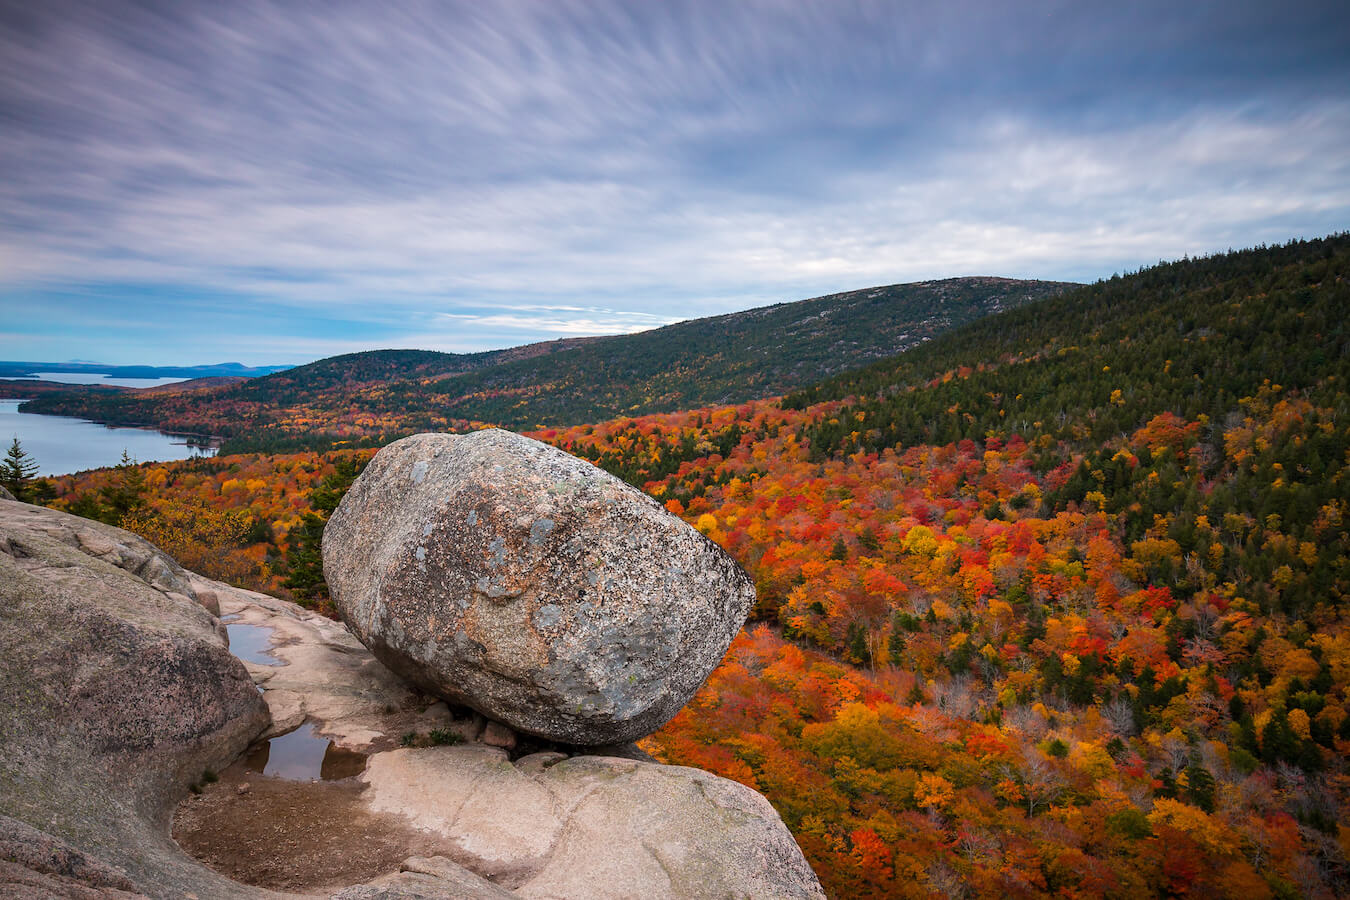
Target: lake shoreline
{"points": [[66, 445], [213, 440]]}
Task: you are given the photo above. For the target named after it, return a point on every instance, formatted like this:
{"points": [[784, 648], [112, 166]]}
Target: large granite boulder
{"points": [[117, 692], [509, 576]]}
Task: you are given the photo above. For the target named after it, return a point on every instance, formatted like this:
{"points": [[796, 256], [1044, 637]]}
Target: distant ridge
{"points": [[371, 397], [193, 385], [27, 369]]}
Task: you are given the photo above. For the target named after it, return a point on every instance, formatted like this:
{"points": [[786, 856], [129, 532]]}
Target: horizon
{"points": [[397, 349], [272, 186]]}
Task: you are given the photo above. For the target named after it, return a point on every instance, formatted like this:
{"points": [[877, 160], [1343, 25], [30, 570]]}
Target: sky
{"points": [[270, 183]]}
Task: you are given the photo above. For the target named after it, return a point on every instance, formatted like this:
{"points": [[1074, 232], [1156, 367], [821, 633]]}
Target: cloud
{"points": [[582, 322], [352, 172]]}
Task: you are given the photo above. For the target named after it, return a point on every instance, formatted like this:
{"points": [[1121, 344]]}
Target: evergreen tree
{"points": [[305, 558], [125, 493], [1200, 786], [305, 561], [17, 471]]}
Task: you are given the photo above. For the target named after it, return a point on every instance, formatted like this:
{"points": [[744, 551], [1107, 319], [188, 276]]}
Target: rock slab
{"points": [[509, 576], [546, 825], [117, 692], [591, 826]]}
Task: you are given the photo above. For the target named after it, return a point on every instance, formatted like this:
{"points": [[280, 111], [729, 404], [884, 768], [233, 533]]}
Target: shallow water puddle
{"points": [[295, 835], [252, 643], [301, 755]]}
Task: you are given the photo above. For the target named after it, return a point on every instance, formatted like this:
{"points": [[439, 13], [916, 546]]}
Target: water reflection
{"points": [[252, 643], [301, 755], [61, 444]]}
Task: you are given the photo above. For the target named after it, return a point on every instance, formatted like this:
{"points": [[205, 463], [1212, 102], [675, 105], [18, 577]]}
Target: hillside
{"points": [[374, 396], [1098, 648], [1189, 337], [195, 385]]}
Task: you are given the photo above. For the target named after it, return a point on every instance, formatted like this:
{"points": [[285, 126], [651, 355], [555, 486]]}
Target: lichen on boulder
{"points": [[512, 577]]}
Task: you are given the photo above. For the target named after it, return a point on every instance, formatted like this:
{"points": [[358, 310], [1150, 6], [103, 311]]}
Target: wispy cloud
{"points": [[349, 175], [572, 321]]}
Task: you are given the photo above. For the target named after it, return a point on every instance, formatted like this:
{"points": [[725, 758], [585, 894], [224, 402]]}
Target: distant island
{"points": [[27, 369]]}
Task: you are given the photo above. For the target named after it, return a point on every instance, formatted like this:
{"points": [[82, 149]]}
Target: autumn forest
{"points": [[1053, 603]]}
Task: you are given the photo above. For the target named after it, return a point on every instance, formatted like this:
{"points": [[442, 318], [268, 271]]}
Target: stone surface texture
{"points": [[116, 693], [592, 826], [509, 576], [427, 878]]}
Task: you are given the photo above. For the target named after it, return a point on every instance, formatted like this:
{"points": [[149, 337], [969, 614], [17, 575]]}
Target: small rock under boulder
{"points": [[509, 576]]}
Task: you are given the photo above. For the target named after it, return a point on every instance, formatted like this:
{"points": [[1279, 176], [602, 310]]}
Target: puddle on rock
{"points": [[305, 836], [252, 643], [301, 755]]}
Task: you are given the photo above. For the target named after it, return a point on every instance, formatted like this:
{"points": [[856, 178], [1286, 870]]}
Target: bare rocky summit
{"points": [[509, 576], [117, 694]]}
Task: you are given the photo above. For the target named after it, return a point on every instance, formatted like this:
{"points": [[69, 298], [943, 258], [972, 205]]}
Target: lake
{"points": [[61, 445], [97, 378]]}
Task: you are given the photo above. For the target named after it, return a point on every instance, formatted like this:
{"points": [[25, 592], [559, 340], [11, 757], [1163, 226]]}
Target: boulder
{"points": [[116, 547], [507, 575], [116, 693]]}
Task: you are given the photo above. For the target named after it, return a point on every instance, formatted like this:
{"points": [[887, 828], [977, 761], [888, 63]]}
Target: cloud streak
{"points": [[349, 175]]}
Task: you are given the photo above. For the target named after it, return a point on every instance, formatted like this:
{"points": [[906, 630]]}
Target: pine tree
{"points": [[1200, 786], [125, 493], [305, 558], [17, 471]]}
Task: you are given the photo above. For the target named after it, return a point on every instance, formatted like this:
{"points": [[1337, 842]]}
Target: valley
{"points": [[1051, 603]]}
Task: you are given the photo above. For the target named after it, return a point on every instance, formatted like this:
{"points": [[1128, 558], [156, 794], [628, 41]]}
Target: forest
{"points": [[1052, 604], [367, 399]]}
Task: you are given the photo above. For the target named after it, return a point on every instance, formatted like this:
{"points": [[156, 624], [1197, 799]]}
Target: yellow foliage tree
{"points": [[933, 791], [1196, 823]]}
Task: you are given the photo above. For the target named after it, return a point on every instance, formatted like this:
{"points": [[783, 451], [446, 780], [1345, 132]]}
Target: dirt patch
{"points": [[293, 835]]}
